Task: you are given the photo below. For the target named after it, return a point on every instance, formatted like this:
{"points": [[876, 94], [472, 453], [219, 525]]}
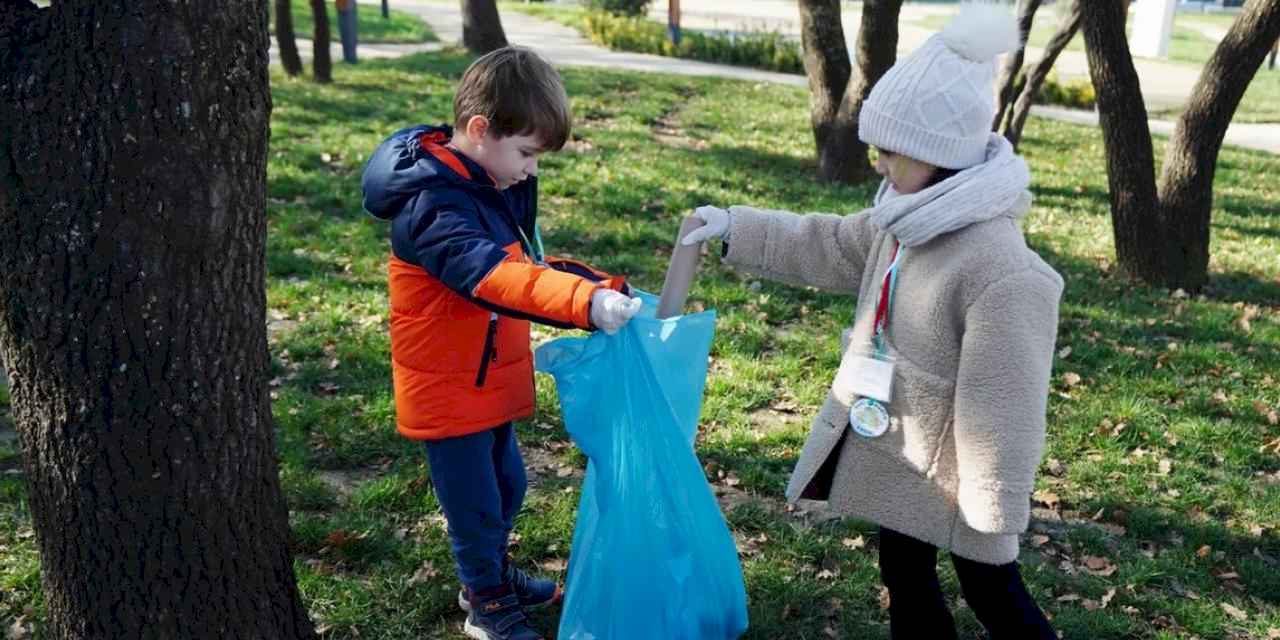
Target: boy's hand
{"points": [[611, 310], [717, 225]]}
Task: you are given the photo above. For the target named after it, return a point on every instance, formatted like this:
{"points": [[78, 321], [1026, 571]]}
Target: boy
{"points": [[466, 278]]}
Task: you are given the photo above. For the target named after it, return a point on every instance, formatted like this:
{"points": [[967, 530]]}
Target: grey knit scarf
{"points": [[996, 187]]}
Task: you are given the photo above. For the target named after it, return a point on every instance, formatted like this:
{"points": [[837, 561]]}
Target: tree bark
{"points": [[1186, 183], [482, 27], [286, 40], [132, 316], [1013, 62], [321, 63], [836, 92], [1122, 115], [1067, 28], [1162, 237]]}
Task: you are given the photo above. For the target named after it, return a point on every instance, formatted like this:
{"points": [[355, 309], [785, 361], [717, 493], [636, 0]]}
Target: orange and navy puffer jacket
{"points": [[465, 283]]}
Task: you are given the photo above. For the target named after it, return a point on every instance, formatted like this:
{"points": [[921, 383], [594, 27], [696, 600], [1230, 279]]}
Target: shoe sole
{"points": [[466, 606]]}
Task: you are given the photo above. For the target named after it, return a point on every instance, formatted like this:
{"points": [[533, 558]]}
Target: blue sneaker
{"points": [[498, 617], [533, 593]]}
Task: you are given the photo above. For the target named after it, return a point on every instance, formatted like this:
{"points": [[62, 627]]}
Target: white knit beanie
{"points": [[936, 105]]}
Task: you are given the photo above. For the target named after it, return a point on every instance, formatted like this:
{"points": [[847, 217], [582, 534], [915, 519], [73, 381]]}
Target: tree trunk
{"points": [[132, 316], [1122, 115], [482, 27], [1013, 62], [1163, 238], [1186, 183], [286, 40], [321, 63], [1275, 49], [836, 93], [1035, 78]]}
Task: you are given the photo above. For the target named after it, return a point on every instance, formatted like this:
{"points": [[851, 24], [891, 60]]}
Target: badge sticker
{"points": [[868, 418]]}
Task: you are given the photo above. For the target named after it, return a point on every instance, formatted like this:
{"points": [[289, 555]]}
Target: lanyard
{"points": [[538, 255], [885, 303]]}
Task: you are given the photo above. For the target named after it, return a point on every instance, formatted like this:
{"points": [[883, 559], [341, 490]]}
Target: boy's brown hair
{"points": [[520, 94]]}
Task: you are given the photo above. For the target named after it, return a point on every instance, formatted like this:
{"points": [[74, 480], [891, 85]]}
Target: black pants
{"points": [[917, 610]]}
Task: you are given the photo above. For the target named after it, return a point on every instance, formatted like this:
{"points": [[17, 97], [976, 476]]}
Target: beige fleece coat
{"points": [[973, 325]]}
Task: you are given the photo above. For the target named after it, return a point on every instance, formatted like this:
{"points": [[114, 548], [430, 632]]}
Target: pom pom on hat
{"points": [[981, 31]]}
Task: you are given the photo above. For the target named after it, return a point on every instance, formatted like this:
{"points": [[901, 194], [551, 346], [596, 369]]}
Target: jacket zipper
{"points": [[490, 353]]}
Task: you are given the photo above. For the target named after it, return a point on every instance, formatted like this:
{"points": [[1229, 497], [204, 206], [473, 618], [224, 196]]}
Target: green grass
{"points": [[1183, 375], [399, 28], [1188, 46]]}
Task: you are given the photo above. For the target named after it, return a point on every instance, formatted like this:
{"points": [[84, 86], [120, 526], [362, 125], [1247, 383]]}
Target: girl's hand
{"points": [[717, 225]]}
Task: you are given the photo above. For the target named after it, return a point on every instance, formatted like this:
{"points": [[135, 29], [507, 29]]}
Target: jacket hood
{"points": [[401, 167]]}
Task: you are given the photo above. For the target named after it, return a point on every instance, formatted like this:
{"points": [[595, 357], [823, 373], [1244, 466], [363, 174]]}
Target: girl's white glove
{"points": [[611, 310], [717, 225]]}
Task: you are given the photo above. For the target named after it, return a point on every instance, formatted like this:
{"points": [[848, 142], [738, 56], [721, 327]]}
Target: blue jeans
{"points": [[480, 483]]}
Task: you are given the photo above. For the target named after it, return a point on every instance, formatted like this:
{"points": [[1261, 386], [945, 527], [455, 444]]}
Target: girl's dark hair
{"points": [[940, 174]]}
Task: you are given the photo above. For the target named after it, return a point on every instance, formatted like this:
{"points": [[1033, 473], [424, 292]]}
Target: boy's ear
{"points": [[477, 127]]}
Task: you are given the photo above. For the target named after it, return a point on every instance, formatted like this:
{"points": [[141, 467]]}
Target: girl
{"points": [[934, 425]]}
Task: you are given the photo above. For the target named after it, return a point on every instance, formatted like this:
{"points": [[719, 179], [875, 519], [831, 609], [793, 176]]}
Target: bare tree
{"points": [[132, 316], [836, 94], [482, 27], [1009, 72], [285, 38], [1035, 77], [1162, 236], [321, 63]]}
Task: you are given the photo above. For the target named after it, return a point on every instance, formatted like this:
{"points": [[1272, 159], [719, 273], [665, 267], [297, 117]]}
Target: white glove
{"points": [[717, 225], [610, 309]]}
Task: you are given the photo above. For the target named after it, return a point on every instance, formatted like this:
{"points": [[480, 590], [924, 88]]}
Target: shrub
{"points": [[763, 50], [620, 7], [1077, 94]]}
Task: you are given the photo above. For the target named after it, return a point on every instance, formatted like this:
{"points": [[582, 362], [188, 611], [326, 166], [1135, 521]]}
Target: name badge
{"points": [[868, 418], [872, 377]]}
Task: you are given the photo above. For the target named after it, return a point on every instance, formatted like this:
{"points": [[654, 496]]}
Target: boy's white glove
{"points": [[717, 225], [610, 309]]}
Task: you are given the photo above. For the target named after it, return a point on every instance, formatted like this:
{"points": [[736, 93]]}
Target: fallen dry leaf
{"points": [[554, 565], [826, 574], [854, 543], [1039, 540], [1203, 552], [1047, 498], [1235, 612], [19, 630], [1272, 446], [1099, 566], [1071, 378], [1106, 598], [1055, 468], [424, 573]]}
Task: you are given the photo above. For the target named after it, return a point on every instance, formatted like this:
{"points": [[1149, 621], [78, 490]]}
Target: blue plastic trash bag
{"points": [[652, 557]]}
